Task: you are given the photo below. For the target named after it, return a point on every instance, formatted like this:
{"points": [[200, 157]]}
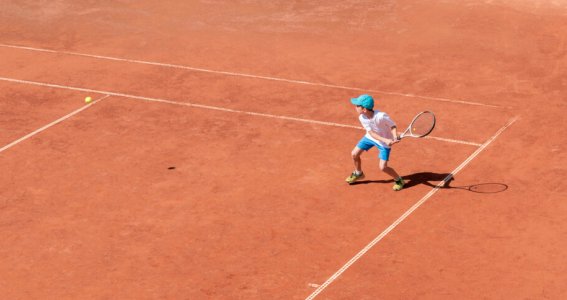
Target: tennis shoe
{"points": [[354, 177], [399, 185]]}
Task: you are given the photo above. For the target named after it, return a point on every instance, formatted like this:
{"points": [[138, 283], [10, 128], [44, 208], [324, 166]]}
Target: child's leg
{"points": [[357, 174], [388, 170], [384, 156], [399, 182], [356, 152]]}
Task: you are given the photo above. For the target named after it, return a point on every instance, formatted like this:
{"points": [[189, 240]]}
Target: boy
{"points": [[381, 132]]}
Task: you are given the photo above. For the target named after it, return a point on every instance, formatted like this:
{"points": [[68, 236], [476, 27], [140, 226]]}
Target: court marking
{"points": [[408, 212], [201, 106], [69, 115], [409, 95]]}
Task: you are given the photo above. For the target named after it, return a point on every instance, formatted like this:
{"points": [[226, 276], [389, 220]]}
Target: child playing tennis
{"points": [[381, 132]]}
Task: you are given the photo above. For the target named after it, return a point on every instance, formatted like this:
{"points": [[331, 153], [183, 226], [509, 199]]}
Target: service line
{"points": [[408, 212], [209, 107], [29, 135], [457, 101]]}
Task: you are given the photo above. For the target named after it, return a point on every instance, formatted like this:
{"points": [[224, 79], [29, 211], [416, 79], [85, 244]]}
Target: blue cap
{"points": [[365, 101]]}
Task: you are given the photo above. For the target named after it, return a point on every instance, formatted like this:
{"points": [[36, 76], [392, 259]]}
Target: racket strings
{"points": [[423, 124]]}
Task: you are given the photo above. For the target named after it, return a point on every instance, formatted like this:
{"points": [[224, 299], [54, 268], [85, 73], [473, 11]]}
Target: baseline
{"points": [[250, 75]]}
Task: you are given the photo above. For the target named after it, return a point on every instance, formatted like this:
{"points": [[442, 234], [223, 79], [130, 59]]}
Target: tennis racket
{"points": [[420, 126]]}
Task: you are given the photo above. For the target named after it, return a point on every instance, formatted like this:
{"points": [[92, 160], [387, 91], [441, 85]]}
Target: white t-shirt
{"points": [[379, 123]]}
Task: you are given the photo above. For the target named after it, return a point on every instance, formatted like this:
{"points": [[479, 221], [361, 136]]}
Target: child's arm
{"points": [[386, 141], [395, 133]]}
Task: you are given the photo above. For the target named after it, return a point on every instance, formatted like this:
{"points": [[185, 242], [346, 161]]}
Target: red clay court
{"points": [[211, 163]]}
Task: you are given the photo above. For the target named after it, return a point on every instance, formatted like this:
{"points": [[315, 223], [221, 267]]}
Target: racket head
{"points": [[422, 124], [488, 188]]}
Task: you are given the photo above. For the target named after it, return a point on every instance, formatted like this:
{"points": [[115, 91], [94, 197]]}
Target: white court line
{"points": [[408, 212], [451, 140], [209, 107], [248, 75], [27, 136]]}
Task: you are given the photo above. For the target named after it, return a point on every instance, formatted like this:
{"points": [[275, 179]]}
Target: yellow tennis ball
{"points": [[88, 100]]}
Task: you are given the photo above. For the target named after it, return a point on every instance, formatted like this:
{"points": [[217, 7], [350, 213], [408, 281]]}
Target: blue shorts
{"points": [[366, 143]]}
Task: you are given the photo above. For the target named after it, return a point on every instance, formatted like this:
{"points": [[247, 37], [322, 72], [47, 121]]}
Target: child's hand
{"points": [[391, 142]]}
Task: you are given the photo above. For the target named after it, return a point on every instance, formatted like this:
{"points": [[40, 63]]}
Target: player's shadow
{"points": [[433, 179], [427, 178]]}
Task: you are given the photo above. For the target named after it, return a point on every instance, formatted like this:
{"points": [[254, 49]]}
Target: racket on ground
{"points": [[420, 126]]}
